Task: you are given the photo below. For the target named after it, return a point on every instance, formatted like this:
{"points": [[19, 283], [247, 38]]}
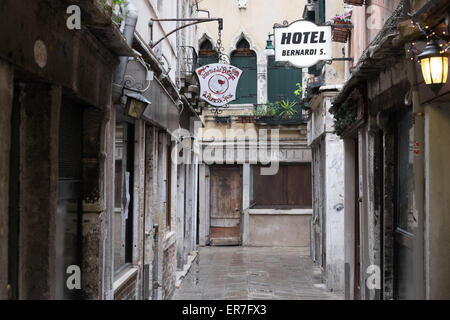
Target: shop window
{"points": [[290, 188], [245, 59], [123, 184]]}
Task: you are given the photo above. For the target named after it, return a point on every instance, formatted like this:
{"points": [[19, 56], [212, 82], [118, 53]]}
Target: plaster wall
{"points": [[437, 184]]}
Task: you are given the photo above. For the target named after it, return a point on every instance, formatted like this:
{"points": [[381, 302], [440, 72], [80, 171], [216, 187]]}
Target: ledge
{"points": [[124, 276], [169, 239], [274, 212]]}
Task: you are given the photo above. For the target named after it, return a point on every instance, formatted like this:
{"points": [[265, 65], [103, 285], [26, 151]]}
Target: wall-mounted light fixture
{"points": [[136, 104], [434, 63], [270, 50]]}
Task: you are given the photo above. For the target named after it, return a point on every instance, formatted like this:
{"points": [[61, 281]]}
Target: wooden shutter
{"points": [[290, 188], [282, 81], [247, 87]]}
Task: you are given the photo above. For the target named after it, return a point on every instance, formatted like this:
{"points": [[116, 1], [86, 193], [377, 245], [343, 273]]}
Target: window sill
{"points": [[123, 277], [169, 239], [295, 212]]}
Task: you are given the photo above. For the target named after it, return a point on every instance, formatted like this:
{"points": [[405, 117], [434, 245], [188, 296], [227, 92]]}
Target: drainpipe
{"points": [[179, 44], [128, 32]]}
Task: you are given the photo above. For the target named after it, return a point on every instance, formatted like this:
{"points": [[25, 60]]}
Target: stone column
{"points": [[39, 131], [95, 220], [245, 218], [6, 99], [203, 232]]}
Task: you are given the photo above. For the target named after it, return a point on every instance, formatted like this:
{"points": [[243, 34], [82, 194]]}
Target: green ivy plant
{"points": [[109, 8], [298, 92], [344, 117]]}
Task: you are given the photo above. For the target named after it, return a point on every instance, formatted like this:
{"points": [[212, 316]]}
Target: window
{"points": [[282, 81], [123, 199], [207, 54], [245, 59], [290, 188]]}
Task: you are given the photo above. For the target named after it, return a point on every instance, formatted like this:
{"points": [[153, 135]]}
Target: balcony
{"points": [[313, 85], [279, 116]]}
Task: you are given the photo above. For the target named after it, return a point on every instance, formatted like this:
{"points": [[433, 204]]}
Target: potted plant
{"points": [[266, 112], [287, 110], [341, 34]]}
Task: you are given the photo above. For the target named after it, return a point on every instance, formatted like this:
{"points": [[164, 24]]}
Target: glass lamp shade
{"points": [[435, 70], [136, 108], [434, 66], [136, 104], [269, 51]]}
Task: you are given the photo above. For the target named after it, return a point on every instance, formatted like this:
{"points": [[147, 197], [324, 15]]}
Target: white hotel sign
{"points": [[302, 43]]}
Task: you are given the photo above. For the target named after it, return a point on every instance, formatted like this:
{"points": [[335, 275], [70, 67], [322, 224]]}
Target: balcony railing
{"points": [[190, 61]]}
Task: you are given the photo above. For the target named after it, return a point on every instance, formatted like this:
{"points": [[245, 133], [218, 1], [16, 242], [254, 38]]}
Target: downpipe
{"points": [[128, 32]]}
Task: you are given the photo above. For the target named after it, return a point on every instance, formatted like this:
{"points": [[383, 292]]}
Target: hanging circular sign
{"points": [[218, 83]]}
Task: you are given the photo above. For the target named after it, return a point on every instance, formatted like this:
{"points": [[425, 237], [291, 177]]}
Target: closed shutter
{"points": [[282, 81], [247, 87], [204, 60], [321, 17], [290, 188]]}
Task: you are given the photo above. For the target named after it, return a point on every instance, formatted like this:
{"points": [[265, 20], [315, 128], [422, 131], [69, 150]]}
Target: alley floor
{"points": [[246, 273]]}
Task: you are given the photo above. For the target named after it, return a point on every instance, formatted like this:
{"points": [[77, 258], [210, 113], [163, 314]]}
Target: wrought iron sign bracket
{"points": [[194, 22]]}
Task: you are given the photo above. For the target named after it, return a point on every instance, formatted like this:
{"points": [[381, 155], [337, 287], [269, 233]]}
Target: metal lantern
{"points": [[270, 50], [434, 66], [136, 104]]}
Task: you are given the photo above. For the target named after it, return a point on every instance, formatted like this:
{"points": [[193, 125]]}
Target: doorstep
{"points": [[187, 266]]}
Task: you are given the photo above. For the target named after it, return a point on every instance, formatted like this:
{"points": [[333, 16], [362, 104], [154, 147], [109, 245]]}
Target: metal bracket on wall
{"points": [[195, 21]]}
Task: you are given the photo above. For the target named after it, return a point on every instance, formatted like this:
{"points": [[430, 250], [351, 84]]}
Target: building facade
{"points": [[96, 203], [395, 131], [242, 143], [323, 82]]}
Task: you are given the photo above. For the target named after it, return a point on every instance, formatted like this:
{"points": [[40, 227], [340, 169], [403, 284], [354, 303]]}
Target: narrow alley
{"points": [[224, 150], [244, 273]]}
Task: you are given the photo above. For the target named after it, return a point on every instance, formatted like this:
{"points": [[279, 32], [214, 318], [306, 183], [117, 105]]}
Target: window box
{"points": [[341, 34]]}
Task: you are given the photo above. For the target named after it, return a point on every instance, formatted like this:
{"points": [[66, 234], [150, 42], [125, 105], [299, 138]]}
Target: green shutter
{"points": [[247, 87], [321, 12], [204, 60], [311, 16], [282, 81]]}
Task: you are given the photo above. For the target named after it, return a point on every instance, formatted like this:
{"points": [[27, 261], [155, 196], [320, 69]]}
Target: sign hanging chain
{"points": [[223, 58]]}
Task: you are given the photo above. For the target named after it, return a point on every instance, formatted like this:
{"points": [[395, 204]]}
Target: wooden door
{"points": [[225, 205]]}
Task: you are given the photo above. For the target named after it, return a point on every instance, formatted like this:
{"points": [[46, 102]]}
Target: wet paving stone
{"points": [[244, 273]]}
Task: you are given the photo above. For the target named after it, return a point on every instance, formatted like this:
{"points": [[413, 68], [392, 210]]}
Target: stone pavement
{"points": [[247, 273]]}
